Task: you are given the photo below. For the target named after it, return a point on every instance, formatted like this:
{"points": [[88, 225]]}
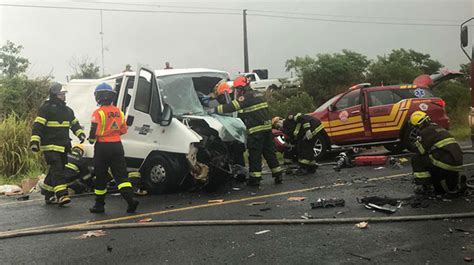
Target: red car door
{"points": [[345, 119]]}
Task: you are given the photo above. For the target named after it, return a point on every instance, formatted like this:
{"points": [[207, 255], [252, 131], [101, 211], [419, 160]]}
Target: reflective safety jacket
{"points": [[108, 123], [442, 149], [51, 126], [76, 166], [253, 110], [297, 127]]}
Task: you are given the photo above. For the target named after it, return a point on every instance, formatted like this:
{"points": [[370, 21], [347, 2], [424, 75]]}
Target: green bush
{"points": [[283, 102], [458, 101], [16, 159]]}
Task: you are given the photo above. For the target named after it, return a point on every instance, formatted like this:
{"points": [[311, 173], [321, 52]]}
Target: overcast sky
{"points": [[53, 38]]}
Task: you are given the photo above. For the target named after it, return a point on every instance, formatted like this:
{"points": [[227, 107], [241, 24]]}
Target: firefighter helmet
{"points": [[241, 82], [223, 87], [79, 148], [418, 118], [104, 94], [56, 89]]}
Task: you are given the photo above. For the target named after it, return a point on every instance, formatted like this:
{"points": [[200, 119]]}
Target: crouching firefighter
{"points": [[438, 160], [302, 130], [253, 110], [108, 124], [50, 134]]}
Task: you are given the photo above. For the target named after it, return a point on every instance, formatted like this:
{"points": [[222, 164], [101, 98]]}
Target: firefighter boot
{"points": [[99, 204], [127, 194], [253, 181], [277, 177]]}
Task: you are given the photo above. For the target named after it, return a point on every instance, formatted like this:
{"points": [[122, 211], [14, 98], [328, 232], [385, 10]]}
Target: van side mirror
{"points": [[166, 115], [464, 36]]}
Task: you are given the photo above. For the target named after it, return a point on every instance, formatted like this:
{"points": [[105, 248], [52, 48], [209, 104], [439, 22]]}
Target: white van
{"points": [[171, 139]]}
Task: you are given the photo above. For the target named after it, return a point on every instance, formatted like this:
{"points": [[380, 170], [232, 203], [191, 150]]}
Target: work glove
{"points": [[34, 146], [82, 138], [308, 135], [211, 111]]}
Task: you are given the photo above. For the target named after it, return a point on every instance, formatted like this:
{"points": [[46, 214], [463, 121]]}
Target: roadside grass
{"points": [[460, 132], [5, 180]]}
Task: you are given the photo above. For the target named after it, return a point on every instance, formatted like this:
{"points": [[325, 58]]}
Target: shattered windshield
{"points": [[182, 91]]}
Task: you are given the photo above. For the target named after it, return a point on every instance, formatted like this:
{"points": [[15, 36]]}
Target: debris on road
{"points": [[10, 190], [257, 203], [93, 233], [327, 203], [307, 216], [401, 249], [234, 188], [23, 198], [28, 185], [109, 248], [468, 259], [359, 256], [385, 204], [216, 201], [379, 168], [145, 220], [251, 255], [255, 215], [296, 199], [265, 209], [262, 232], [362, 225]]}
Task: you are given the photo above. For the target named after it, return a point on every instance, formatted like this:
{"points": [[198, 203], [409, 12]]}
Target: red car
{"points": [[367, 116]]}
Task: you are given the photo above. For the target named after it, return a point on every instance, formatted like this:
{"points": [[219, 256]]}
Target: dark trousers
{"points": [[110, 155], [425, 173], [56, 178], [305, 153], [259, 144]]}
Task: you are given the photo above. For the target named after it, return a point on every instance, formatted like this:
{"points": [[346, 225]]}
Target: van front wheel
{"points": [[161, 174]]}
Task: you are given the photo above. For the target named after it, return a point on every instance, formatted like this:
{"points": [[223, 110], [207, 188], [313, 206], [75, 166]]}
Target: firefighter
{"points": [[253, 110], [50, 134], [108, 124], [438, 159], [302, 130]]}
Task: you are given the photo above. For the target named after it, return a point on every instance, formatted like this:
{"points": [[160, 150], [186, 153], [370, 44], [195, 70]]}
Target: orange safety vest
{"points": [[110, 123]]}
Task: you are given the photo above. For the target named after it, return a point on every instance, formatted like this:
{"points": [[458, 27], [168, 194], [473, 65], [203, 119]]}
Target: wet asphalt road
{"points": [[425, 242]]}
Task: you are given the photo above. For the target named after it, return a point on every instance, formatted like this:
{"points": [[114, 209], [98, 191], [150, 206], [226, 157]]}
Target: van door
{"points": [[145, 134], [345, 119]]}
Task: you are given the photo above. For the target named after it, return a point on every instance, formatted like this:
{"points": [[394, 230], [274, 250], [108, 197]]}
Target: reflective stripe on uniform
{"points": [[306, 125], [276, 170], [35, 138], [260, 128], [444, 165], [255, 107], [122, 116], [52, 147], [420, 147], [444, 143], [256, 174], [79, 132], [297, 129], [73, 167], [100, 192], [287, 160], [60, 187], [40, 120], [220, 109], [102, 122], [134, 174], [296, 116], [307, 162], [124, 185], [236, 104], [74, 121], [422, 175], [55, 124], [318, 129], [47, 187]]}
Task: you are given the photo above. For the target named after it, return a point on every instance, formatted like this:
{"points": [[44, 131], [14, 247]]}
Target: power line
{"points": [[159, 5], [355, 21]]}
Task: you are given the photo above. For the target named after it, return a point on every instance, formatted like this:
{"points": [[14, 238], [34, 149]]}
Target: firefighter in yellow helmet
{"points": [[438, 160]]}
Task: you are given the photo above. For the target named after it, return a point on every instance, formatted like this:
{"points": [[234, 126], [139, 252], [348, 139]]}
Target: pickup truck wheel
{"points": [[161, 175], [395, 148], [409, 137], [320, 147]]}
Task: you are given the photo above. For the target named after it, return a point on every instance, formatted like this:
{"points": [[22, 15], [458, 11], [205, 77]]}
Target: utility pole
{"points": [[102, 41], [246, 49]]}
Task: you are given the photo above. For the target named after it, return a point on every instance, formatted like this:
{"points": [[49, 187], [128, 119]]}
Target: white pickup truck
{"points": [[171, 139], [259, 84]]}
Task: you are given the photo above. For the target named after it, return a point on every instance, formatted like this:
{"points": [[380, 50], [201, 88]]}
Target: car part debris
{"points": [[93, 233], [384, 208], [10, 189], [265, 209], [262, 232], [328, 203], [257, 203], [296, 199], [216, 201], [145, 220], [306, 216], [23, 198], [362, 225], [359, 256], [385, 204]]}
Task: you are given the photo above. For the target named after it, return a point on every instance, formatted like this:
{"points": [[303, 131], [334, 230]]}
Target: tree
{"points": [[401, 67], [11, 63], [329, 74], [465, 79], [84, 69]]}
